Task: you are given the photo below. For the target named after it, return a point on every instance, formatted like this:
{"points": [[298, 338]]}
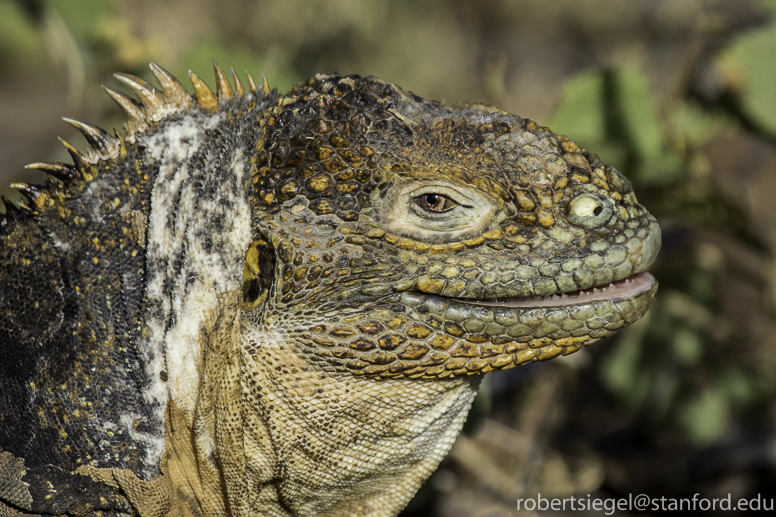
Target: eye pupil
{"points": [[433, 202], [597, 210]]}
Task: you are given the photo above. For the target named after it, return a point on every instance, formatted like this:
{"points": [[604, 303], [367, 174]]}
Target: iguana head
{"points": [[398, 237], [235, 292]]}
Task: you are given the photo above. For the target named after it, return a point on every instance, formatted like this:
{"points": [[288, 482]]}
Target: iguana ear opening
{"points": [[257, 274]]}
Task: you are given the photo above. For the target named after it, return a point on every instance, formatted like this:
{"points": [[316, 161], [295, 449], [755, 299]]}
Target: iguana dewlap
{"points": [[266, 304]]}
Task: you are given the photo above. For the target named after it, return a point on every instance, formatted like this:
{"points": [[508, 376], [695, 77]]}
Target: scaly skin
{"points": [[264, 304]]}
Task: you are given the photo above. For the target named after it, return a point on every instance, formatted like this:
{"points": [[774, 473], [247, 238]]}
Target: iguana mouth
{"points": [[628, 288]]}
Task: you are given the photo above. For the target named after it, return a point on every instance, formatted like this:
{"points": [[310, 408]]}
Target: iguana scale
{"points": [[261, 304]]}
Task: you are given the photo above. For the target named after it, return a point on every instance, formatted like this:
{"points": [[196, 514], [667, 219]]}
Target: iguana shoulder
{"points": [[263, 304]]}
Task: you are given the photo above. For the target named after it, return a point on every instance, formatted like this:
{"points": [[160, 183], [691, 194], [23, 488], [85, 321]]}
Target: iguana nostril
{"points": [[585, 206], [590, 210]]}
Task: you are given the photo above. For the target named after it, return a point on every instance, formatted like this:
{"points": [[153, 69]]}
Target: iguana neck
{"points": [[310, 433]]}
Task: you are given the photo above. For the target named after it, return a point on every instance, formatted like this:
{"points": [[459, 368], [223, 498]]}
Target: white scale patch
{"points": [[154, 446], [186, 278]]}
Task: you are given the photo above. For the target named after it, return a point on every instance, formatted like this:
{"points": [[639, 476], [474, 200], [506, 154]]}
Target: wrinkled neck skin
{"points": [[330, 444], [280, 438]]}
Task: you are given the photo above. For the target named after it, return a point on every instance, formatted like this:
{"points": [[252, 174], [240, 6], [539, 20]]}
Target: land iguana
{"points": [[251, 303]]}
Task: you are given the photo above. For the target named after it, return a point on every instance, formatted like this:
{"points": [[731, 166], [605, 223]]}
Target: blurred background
{"points": [[680, 95]]}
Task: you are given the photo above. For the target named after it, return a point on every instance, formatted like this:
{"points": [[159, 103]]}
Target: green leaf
{"points": [[613, 114], [694, 125], [770, 5], [83, 16], [581, 112], [688, 346], [750, 64], [705, 416], [639, 114], [19, 38], [622, 369]]}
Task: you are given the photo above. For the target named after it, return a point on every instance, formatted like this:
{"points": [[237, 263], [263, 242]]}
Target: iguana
{"points": [[251, 303]]}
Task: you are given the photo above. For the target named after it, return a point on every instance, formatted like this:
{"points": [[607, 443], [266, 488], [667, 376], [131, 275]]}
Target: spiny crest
{"points": [[12, 211], [152, 106], [30, 192]]}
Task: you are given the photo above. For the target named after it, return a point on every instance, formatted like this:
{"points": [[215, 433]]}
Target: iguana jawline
{"points": [[628, 288]]}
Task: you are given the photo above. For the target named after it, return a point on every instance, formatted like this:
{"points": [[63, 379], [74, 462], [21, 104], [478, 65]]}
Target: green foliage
{"points": [[662, 369], [613, 112], [84, 15], [671, 369], [750, 64], [19, 38]]}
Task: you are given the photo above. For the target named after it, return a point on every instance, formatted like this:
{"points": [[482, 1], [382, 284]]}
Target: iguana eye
{"points": [[434, 202], [435, 210]]}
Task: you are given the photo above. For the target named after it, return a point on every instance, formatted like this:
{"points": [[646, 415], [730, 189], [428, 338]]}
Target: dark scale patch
{"points": [[73, 493], [70, 361], [71, 316], [324, 156]]}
